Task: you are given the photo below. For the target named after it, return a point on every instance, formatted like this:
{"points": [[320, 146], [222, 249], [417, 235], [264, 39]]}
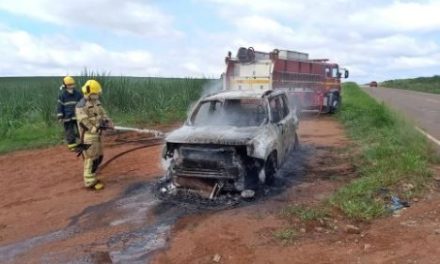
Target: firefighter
{"points": [[92, 120], [67, 99]]}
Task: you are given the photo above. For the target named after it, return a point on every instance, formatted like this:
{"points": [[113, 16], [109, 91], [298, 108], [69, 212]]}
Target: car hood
{"points": [[223, 135]]}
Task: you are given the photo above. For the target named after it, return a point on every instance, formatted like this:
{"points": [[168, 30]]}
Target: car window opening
{"points": [[232, 112]]}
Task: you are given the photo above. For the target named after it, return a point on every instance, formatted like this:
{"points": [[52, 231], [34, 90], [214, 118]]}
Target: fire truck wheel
{"points": [[270, 169], [334, 104]]}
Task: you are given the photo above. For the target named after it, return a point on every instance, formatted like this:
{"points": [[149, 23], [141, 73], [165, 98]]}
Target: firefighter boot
{"points": [[98, 186], [90, 180], [72, 147], [89, 177]]}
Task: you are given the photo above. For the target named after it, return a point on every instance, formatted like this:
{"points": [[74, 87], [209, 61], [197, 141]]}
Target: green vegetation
{"points": [[28, 105], [303, 212], [421, 84], [286, 235], [393, 154]]}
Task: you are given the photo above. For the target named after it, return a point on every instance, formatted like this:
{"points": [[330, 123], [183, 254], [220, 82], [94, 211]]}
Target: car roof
{"points": [[241, 94]]}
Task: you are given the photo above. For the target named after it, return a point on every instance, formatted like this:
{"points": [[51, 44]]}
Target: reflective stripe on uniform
{"points": [[67, 103], [89, 177], [90, 136], [90, 184], [74, 145], [69, 119]]}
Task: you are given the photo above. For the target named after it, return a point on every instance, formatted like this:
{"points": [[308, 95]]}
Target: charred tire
{"points": [[270, 169], [296, 144], [170, 171]]}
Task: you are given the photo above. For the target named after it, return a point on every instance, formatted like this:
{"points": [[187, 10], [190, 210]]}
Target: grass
{"points": [[31, 136], [286, 235], [304, 213], [28, 105], [421, 84], [392, 153]]}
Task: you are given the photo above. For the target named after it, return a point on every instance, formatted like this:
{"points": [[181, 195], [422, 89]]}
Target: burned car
{"points": [[232, 140]]}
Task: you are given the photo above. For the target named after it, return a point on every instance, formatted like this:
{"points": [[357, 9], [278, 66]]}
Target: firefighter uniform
{"points": [[90, 116], [67, 100]]}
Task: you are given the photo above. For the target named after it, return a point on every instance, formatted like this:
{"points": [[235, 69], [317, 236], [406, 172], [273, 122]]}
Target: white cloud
{"points": [[400, 17], [374, 39], [406, 62], [277, 7], [192, 68], [134, 17], [276, 35], [260, 24], [25, 54]]}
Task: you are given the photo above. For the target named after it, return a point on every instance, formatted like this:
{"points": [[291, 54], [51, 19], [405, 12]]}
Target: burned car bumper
{"points": [[207, 162], [228, 164]]}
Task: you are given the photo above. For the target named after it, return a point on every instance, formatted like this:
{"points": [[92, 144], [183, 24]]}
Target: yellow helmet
{"points": [[68, 80], [91, 87]]}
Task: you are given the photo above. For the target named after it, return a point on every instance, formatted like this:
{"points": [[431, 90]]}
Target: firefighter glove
{"points": [[94, 130]]}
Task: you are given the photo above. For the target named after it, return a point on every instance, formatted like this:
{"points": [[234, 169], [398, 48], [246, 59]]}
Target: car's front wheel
{"points": [[270, 169], [296, 143]]}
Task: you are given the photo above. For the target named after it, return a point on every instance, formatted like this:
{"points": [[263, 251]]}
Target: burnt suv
{"points": [[232, 138]]}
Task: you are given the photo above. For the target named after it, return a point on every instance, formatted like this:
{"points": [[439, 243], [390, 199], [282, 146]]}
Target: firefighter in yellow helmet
{"points": [[67, 99], [92, 119]]}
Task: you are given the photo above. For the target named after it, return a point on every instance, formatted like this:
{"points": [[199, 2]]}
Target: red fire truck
{"points": [[311, 84]]}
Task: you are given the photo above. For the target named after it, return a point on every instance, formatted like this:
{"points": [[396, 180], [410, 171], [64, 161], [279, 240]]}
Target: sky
{"points": [[375, 40]]}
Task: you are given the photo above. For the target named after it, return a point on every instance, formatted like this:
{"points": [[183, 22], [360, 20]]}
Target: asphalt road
{"points": [[421, 108]]}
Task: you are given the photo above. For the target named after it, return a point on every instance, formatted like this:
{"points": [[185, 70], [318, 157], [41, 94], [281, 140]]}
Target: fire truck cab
{"points": [[311, 84]]}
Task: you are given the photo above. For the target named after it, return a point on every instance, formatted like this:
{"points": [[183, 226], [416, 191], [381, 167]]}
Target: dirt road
{"points": [[247, 235], [422, 108], [47, 217]]}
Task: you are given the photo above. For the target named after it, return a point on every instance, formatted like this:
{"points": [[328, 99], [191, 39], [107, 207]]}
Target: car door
{"points": [[291, 124], [279, 121]]}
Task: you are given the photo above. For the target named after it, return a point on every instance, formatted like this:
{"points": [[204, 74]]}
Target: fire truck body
{"points": [[311, 84]]}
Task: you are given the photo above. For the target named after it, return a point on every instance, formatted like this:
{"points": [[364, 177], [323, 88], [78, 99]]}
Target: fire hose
{"points": [[154, 141], [156, 133], [126, 152]]}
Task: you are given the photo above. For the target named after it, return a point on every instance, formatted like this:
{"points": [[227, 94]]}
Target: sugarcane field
{"points": [[219, 132]]}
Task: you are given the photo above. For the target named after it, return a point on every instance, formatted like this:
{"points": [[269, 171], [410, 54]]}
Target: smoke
{"points": [[212, 86], [237, 117]]}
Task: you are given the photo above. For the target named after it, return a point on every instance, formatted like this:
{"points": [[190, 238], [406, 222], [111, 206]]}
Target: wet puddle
{"points": [[142, 222]]}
